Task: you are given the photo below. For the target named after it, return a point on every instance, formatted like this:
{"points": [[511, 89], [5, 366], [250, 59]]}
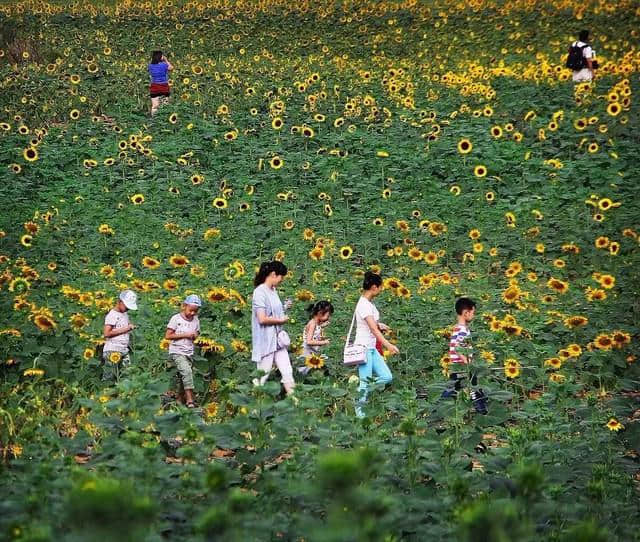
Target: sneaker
{"points": [[481, 405]]}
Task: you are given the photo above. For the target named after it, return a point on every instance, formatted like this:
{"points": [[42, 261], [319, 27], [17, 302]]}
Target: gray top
{"points": [[264, 338]]}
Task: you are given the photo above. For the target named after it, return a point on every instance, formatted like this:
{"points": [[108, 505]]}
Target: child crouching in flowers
{"points": [[117, 330], [182, 330], [313, 336]]}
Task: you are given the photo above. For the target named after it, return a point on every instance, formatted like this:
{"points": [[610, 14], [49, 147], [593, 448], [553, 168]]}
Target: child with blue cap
{"points": [[182, 330]]}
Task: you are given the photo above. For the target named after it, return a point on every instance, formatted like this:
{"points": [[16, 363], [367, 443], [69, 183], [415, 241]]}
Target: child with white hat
{"points": [[117, 329]]}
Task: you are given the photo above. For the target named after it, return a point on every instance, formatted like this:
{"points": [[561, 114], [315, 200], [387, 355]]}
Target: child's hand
{"points": [[383, 327], [131, 327]]}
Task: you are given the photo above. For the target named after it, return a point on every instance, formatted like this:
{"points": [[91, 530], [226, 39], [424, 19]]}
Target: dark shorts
{"points": [[156, 90]]}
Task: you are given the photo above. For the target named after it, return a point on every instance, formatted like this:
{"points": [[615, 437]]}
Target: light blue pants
{"points": [[374, 364]]}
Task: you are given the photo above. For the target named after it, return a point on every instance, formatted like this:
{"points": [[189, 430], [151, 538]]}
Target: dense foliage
{"points": [[441, 143]]}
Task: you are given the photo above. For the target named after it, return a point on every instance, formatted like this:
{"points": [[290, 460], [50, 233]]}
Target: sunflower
{"points": [[415, 254], [559, 263], [150, 263], [430, 257], [574, 350], [402, 225], [217, 295], [276, 162], [490, 196], [558, 285], [137, 199], [173, 118], [170, 284], [386, 193], [26, 240], [614, 425], [44, 322], [576, 321], [530, 116], [316, 253], [314, 361], [378, 221], [603, 342], [511, 368], [465, 146], [107, 271], [210, 233], [605, 204], [319, 117], [231, 135], [620, 338], [480, 171], [30, 154], [607, 281], [614, 109], [437, 228], [554, 363], [338, 122], [288, 224], [197, 179], [307, 131], [178, 260], [219, 203], [580, 124], [593, 147], [346, 252], [115, 357]]}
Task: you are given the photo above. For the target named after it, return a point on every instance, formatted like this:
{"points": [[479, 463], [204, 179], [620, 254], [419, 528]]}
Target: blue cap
{"points": [[193, 299]]}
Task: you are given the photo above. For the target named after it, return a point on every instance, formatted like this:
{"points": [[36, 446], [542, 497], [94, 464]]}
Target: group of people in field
{"points": [[270, 341]]}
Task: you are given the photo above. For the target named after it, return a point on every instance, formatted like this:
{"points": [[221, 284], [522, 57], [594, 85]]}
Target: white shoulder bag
{"points": [[354, 354]]}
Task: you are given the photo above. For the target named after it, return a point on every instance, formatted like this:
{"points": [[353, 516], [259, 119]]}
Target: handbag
{"points": [[354, 354], [283, 339]]}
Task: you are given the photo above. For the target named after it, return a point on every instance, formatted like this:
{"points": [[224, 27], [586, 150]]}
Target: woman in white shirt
{"points": [[368, 329]]}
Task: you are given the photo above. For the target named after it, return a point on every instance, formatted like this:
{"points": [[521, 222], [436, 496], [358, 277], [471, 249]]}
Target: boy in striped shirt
{"points": [[461, 356]]}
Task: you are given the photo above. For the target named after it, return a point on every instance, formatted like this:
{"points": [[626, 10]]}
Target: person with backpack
{"points": [[581, 59]]}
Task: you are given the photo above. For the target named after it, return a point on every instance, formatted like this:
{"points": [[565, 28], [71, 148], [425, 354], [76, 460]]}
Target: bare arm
{"points": [[170, 66], [270, 320], [110, 331], [173, 336], [311, 327], [373, 326]]}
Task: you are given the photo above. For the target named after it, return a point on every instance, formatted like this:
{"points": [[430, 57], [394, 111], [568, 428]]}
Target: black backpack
{"points": [[575, 59]]}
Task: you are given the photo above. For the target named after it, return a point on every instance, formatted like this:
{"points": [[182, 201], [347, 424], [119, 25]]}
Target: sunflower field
{"points": [[439, 143]]}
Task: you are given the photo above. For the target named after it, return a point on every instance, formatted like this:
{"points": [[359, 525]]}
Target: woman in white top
{"points": [[267, 318], [368, 329]]}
